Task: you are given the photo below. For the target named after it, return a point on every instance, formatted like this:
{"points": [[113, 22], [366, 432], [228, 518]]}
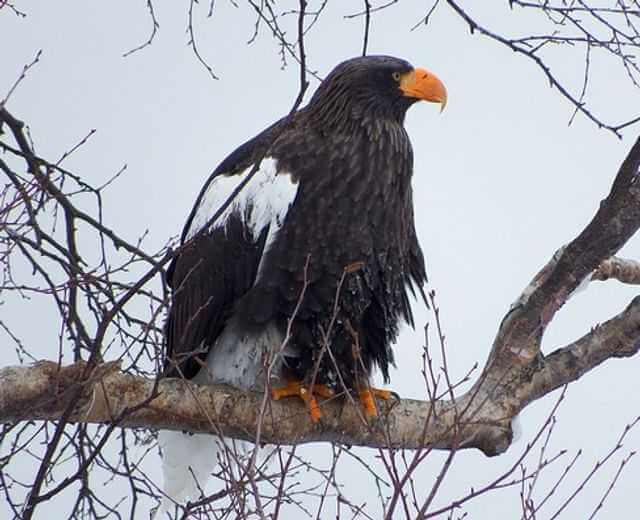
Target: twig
{"points": [[154, 29], [23, 75]]}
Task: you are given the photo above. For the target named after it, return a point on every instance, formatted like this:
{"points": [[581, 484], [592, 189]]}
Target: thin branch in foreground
{"points": [[23, 75], [425, 19], [599, 465], [615, 478], [372, 10], [192, 41], [367, 26], [524, 48], [12, 7], [154, 30]]}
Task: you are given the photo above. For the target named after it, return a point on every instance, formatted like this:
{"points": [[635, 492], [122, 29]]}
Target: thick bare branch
{"points": [[616, 220], [617, 338], [622, 269], [41, 391]]}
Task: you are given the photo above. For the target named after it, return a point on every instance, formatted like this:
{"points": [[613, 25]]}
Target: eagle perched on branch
{"points": [[300, 251]]}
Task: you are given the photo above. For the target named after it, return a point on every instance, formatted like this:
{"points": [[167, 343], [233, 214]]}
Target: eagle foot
{"points": [[367, 397], [306, 393]]}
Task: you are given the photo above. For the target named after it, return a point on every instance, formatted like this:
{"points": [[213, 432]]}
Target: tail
{"points": [[187, 463]]}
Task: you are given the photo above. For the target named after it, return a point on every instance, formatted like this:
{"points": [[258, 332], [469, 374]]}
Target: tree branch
{"points": [[570, 18], [515, 375], [617, 338], [41, 392], [622, 269]]}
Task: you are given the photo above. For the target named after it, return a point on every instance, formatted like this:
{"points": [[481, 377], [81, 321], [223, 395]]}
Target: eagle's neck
{"points": [[335, 110]]}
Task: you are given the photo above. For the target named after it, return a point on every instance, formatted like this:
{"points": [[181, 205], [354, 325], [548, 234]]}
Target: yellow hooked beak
{"points": [[422, 84]]}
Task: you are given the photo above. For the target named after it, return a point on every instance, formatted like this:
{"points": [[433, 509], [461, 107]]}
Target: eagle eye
{"points": [[396, 76]]}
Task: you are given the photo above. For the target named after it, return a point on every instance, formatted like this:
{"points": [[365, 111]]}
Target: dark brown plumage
{"points": [[329, 201], [332, 193]]}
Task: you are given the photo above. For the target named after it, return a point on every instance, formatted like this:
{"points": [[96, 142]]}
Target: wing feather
{"points": [[222, 258]]}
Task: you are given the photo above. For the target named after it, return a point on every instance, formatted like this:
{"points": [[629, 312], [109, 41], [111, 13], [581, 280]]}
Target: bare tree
{"points": [[110, 297]]}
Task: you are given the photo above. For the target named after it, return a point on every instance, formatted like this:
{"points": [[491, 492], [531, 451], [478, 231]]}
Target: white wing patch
{"points": [[263, 201]]}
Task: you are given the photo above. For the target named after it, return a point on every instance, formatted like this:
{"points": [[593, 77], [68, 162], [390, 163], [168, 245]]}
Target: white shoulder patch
{"points": [[263, 201]]}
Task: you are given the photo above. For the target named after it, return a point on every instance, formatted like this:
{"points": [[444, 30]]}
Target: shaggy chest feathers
{"points": [[347, 243]]}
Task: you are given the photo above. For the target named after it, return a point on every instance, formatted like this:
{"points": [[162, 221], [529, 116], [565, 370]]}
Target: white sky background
{"points": [[500, 183]]}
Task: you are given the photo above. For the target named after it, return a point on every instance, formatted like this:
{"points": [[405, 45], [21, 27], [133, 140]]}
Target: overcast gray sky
{"points": [[501, 181]]}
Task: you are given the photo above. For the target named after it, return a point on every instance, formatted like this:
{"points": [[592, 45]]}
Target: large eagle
{"points": [[301, 249]]}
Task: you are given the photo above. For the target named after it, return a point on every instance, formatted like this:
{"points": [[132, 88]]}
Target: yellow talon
{"points": [[297, 389], [368, 402]]}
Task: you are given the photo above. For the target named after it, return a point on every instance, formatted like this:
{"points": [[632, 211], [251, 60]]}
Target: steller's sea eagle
{"points": [[320, 236]]}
